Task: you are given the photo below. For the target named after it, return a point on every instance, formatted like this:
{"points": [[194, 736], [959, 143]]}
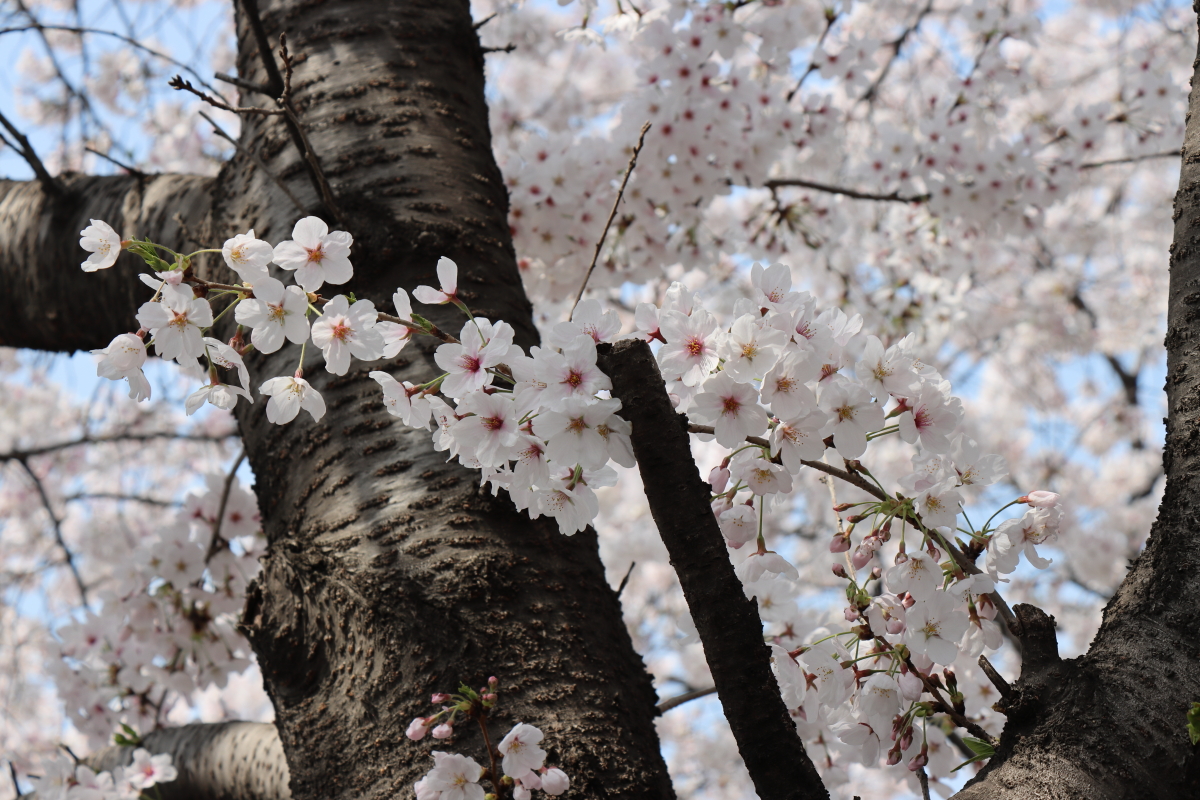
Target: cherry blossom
{"points": [[732, 407], [274, 314], [482, 347], [395, 335], [123, 359], [404, 400], [316, 254], [455, 776], [288, 396], [854, 415], [344, 330], [692, 346], [520, 750], [935, 626], [103, 243], [146, 770], [447, 272], [555, 782], [248, 256], [176, 324]]}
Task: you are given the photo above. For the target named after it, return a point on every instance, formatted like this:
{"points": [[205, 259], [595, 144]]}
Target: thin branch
{"points": [[894, 197], [179, 83], [57, 524], [959, 720], [306, 149], [612, 214], [132, 498], [249, 86], [217, 543], [508, 48], [995, 677], [274, 78], [219, 131], [21, 455], [111, 160], [486, 20], [897, 45], [12, 773], [126, 39], [923, 778], [52, 184], [1130, 159], [625, 580], [678, 700]]}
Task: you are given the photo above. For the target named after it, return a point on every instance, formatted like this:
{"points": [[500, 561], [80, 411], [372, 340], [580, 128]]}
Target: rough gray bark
{"points": [[389, 574], [727, 621], [217, 761]]}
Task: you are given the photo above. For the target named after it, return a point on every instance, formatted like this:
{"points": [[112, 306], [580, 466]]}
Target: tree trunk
{"points": [[389, 574]]}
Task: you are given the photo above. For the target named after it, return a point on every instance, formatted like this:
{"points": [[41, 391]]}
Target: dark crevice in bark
{"points": [[727, 621]]}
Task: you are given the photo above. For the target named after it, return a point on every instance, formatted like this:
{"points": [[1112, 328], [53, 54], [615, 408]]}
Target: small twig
{"points": [[126, 39], [894, 197], [219, 131], [678, 700], [486, 20], [924, 780], [133, 498], [1130, 159], [51, 184], [12, 772], [995, 677], [959, 720], [306, 149], [625, 580], [274, 79], [57, 524], [111, 160], [508, 48], [249, 86], [897, 45], [612, 214], [21, 455], [217, 543], [179, 83]]}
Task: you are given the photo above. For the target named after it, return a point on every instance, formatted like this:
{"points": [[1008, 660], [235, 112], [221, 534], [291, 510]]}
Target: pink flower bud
{"points": [[876, 573], [907, 600], [840, 543], [850, 613], [918, 761], [839, 570], [862, 556], [721, 505], [443, 731], [901, 558], [893, 758], [718, 479], [417, 729], [439, 697], [493, 681], [911, 687], [555, 782], [1041, 499]]}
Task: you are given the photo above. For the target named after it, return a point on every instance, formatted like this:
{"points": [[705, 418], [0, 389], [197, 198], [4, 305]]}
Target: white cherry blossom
{"points": [[102, 242], [248, 256], [447, 272], [316, 254], [345, 330], [288, 396], [274, 314]]}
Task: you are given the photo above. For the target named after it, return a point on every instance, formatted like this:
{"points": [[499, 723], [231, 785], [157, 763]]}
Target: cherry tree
{"points": [[888, 276]]}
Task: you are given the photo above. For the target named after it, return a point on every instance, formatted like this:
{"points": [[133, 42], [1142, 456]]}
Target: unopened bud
{"points": [[918, 761], [876, 573], [443, 731], [493, 681], [718, 479], [1040, 499], [893, 757], [840, 507], [839, 570], [862, 556], [439, 697], [840, 543], [854, 519], [850, 613]]}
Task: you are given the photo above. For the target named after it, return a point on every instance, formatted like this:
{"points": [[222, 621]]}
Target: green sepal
{"points": [[980, 748], [1193, 726]]}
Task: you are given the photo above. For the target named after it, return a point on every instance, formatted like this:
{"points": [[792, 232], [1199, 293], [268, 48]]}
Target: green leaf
{"points": [[1193, 718], [970, 760], [979, 747]]}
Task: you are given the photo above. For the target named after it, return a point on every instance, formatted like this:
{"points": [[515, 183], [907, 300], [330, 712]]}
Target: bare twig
{"points": [[508, 48], [274, 78], [219, 131], [995, 677], [51, 184], [249, 86], [486, 20], [306, 149], [179, 83], [12, 773], [678, 700], [625, 580], [217, 543], [111, 160], [21, 455], [894, 197], [612, 214], [1130, 159], [57, 525], [134, 43], [897, 45], [923, 777], [133, 498]]}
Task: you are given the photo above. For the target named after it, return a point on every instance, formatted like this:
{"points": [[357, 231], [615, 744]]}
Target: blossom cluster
{"points": [[63, 779], [167, 625], [457, 777]]}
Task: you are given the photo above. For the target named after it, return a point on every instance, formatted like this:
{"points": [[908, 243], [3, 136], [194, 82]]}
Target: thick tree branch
{"points": [[727, 621], [216, 761], [48, 303]]}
